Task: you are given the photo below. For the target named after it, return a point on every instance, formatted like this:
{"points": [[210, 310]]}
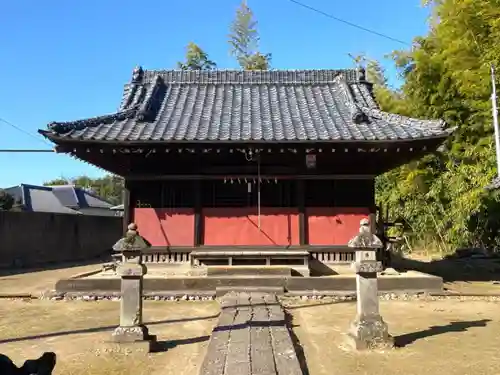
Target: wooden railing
{"points": [[181, 255], [163, 255], [333, 256]]}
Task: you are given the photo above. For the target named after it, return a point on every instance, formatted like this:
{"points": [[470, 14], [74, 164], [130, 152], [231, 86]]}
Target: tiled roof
{"points": [[39, 199], [314, 105], [58, 199], [72, 196]]}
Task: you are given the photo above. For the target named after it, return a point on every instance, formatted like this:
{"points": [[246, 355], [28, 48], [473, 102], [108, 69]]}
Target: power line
{"points": [[349, 23], [24, 131], [25, 150], [331, 16]]}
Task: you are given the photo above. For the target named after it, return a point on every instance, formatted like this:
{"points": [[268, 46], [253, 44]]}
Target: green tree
{"points": [[58, 181], [6, 201], [196, 59], [446, 75], [244, 41]]}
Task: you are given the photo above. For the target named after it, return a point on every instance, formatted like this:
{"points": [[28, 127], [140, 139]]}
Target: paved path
{"points": [[251, 338]]}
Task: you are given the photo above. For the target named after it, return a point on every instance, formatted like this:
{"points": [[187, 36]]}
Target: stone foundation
{"points": [[408, 282], [370, 334], [132, 334]]}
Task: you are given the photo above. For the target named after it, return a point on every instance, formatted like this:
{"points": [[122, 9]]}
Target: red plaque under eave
{"points": [[334, 225], [166, 226], [240, 227]]}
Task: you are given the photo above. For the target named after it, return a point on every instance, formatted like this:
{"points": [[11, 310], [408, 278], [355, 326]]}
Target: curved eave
{"points": [[58, 139]]}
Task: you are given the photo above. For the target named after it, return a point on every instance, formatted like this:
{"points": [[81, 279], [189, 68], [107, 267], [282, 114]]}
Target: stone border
{"points": [[323, 298], [195, 295], [206, 284], [328, 297], [396, 297]]}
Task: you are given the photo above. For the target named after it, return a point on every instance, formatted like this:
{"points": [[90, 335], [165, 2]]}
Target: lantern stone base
{"points": [[136, 338], [370, 333]]}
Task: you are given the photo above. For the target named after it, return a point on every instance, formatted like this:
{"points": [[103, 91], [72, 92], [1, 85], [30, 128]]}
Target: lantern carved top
{"points": [[365, 239]]}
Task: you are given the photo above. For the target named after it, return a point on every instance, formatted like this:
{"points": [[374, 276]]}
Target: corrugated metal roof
{"points": [[318, 105]]}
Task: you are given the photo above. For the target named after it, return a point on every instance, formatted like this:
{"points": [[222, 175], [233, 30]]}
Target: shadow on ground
{"points": [[54, 266], [299, 350], [100, 329], [409, 338], [453, 269], [163, 346], [309, 305]]}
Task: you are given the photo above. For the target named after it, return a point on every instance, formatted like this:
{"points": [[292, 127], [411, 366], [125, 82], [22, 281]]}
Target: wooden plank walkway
{"points": [[251, 338]]}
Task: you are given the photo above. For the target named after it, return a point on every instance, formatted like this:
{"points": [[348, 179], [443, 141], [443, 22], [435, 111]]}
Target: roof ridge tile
{"points": [[318, 76]]}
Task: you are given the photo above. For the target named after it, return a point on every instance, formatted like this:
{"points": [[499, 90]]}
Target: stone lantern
{"points": [[368, 330], [131, 271]]}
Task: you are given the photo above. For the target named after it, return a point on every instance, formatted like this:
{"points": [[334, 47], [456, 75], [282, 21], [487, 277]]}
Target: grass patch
{"points": [[77, 332]]}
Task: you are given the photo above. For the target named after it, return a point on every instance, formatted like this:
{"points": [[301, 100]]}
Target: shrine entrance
{"points": [[243, 211]]}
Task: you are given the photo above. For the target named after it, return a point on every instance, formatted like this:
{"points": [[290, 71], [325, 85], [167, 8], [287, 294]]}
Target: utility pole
{"points": [[495, 116]]}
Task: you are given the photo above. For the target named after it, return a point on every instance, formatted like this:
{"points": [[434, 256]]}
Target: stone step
{"points": [[221, 291], [251, 338], [248, 271]]}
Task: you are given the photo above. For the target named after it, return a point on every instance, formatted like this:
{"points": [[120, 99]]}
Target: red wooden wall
{"points": [[166, 226], [334, 225], [239, 226]]}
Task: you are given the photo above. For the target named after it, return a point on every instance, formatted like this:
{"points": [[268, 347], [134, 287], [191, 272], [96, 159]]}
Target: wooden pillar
{"points": [[373, 218], [303, 227], [127, 209], [198, 218]]}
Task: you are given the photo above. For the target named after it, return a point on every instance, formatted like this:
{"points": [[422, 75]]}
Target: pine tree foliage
{"points": [[6, 201], [196, 59], [447, 76], [244, 41]]}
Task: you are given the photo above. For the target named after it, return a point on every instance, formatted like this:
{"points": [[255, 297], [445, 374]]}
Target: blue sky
{"points": [[66, 60]]}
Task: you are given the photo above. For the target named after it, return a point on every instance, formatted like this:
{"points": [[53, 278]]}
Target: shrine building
{"points": [[248, 167]]}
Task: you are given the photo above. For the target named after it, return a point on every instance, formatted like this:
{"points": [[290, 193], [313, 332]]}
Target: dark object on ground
{"points": [[41, 366]]}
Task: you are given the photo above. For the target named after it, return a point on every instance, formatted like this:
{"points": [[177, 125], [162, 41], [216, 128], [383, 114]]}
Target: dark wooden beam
{"points": [[127, 209], [150, 148], [198, 218], [261, 248], [303, 227], [158, 177], [198, 157]]}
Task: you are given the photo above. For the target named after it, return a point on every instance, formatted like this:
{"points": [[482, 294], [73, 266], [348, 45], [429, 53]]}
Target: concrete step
{"points": [[249, 271], [220, 291]]}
